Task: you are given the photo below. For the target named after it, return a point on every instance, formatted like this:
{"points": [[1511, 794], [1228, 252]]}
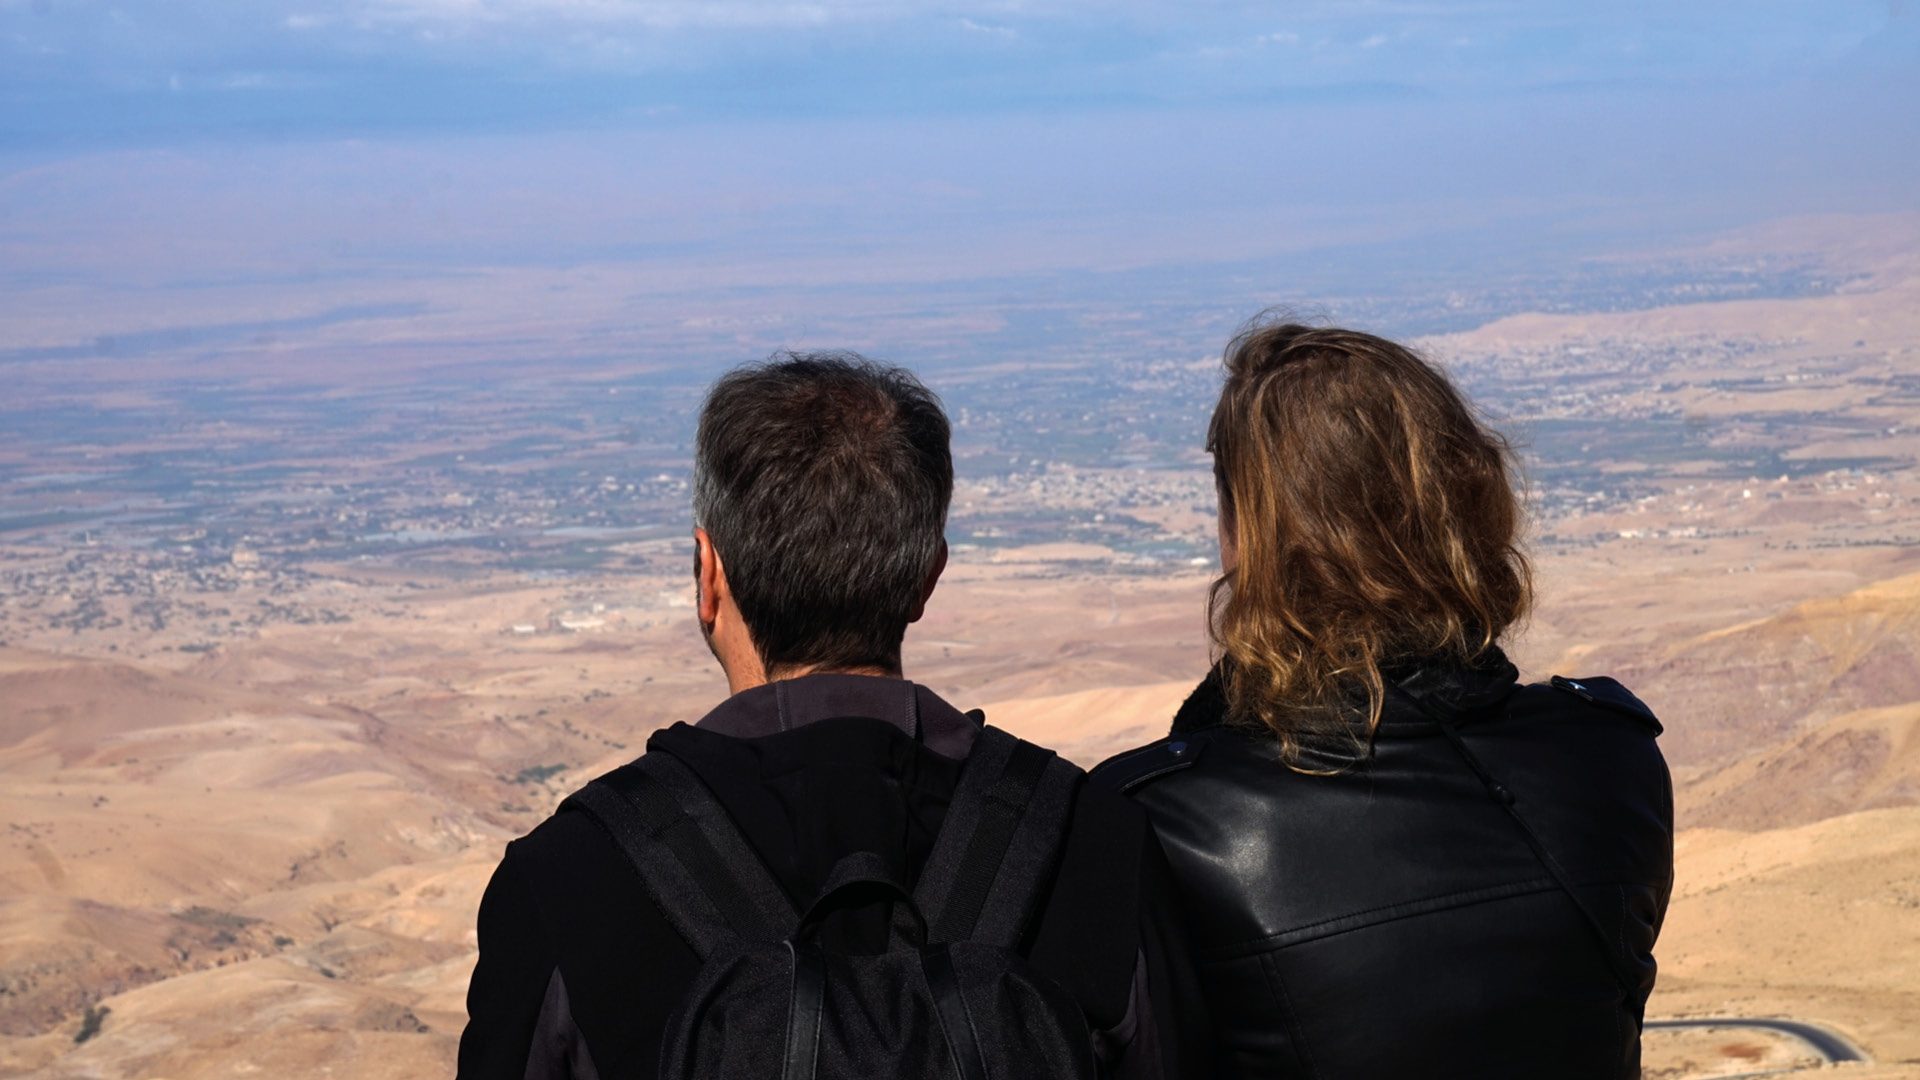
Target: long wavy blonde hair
{"points": [[1368, 518]]}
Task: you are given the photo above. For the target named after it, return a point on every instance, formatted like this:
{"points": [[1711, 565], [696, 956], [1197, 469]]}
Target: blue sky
{"points": [[594, 176], [126, 70]]}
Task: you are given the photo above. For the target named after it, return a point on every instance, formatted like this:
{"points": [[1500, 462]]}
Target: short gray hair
{"points": [[823, 480]]}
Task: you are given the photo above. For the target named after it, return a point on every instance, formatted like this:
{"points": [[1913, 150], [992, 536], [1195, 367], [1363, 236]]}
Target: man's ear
{"points": [[709, 577], [933, 578]]}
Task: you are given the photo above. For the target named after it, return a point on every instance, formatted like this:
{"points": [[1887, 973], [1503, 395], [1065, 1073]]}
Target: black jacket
{"points": [[1406, 917], [579, 972]]}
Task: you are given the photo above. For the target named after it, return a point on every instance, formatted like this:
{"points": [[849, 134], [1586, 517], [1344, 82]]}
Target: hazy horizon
{"points": [[684, 182]]}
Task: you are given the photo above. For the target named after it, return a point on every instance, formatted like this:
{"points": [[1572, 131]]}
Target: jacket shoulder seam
{"points": [[1606, 693], [1129, 770], [1386, 913]]}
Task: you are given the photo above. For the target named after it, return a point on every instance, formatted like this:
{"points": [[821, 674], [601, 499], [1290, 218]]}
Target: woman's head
{"points": [[1367, 517]]}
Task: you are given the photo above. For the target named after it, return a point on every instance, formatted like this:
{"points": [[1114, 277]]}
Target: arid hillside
{"points": [[1818, 922], [1091, 725], [1753, 684], [253, 860], [1863, 760]]}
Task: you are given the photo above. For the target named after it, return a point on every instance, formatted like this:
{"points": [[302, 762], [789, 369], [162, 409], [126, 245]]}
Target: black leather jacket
{"points": [[1416, 915]]}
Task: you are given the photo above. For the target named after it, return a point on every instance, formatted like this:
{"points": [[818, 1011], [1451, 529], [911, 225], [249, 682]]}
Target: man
{"points": [[820, 500]]}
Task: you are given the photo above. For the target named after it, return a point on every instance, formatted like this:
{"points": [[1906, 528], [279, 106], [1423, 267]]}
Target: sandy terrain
{"points": [[1090, 726], [274, 877], [1821, 922]]}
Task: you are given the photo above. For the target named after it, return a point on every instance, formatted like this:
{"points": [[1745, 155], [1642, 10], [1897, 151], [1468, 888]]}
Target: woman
{"points": [[1397, 860]]}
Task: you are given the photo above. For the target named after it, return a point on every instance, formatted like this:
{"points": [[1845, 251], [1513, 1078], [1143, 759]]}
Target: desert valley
{"points": [[284, 665]]}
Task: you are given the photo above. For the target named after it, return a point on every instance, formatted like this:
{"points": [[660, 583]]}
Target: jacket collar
{"points": [[792, 703], [1443, 688], [1205, 707], [1436, 688]]}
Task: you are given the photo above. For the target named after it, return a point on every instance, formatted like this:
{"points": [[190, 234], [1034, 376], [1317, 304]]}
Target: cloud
{"points": [[68, 67], [655, 14], [989, 29]]}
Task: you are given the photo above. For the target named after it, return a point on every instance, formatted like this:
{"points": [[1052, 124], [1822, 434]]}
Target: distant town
{"points": [[241, 506]]}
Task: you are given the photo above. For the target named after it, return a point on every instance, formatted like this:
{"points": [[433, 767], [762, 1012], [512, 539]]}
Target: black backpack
{"points": [[950, 997]]}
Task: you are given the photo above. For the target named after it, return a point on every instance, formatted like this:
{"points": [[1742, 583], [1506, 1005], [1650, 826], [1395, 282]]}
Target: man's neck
{"points": [[754, 675]]}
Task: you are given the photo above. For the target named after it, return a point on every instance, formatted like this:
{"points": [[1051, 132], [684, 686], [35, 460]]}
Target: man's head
{"points": [[821, 484]]}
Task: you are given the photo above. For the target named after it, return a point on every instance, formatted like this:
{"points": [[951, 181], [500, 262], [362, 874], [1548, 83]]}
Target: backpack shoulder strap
{"points": [[702, 874], [996, 850]]}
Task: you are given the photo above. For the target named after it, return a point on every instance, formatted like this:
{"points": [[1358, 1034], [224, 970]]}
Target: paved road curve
{"points": [[1829, 1044]]}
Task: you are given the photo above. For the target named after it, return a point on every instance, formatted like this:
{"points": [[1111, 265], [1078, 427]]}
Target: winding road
{"points": [[1826, 1042]]}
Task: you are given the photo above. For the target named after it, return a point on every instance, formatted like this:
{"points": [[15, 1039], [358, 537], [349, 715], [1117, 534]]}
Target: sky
{"points": [[86, 71], [193, 162]]}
